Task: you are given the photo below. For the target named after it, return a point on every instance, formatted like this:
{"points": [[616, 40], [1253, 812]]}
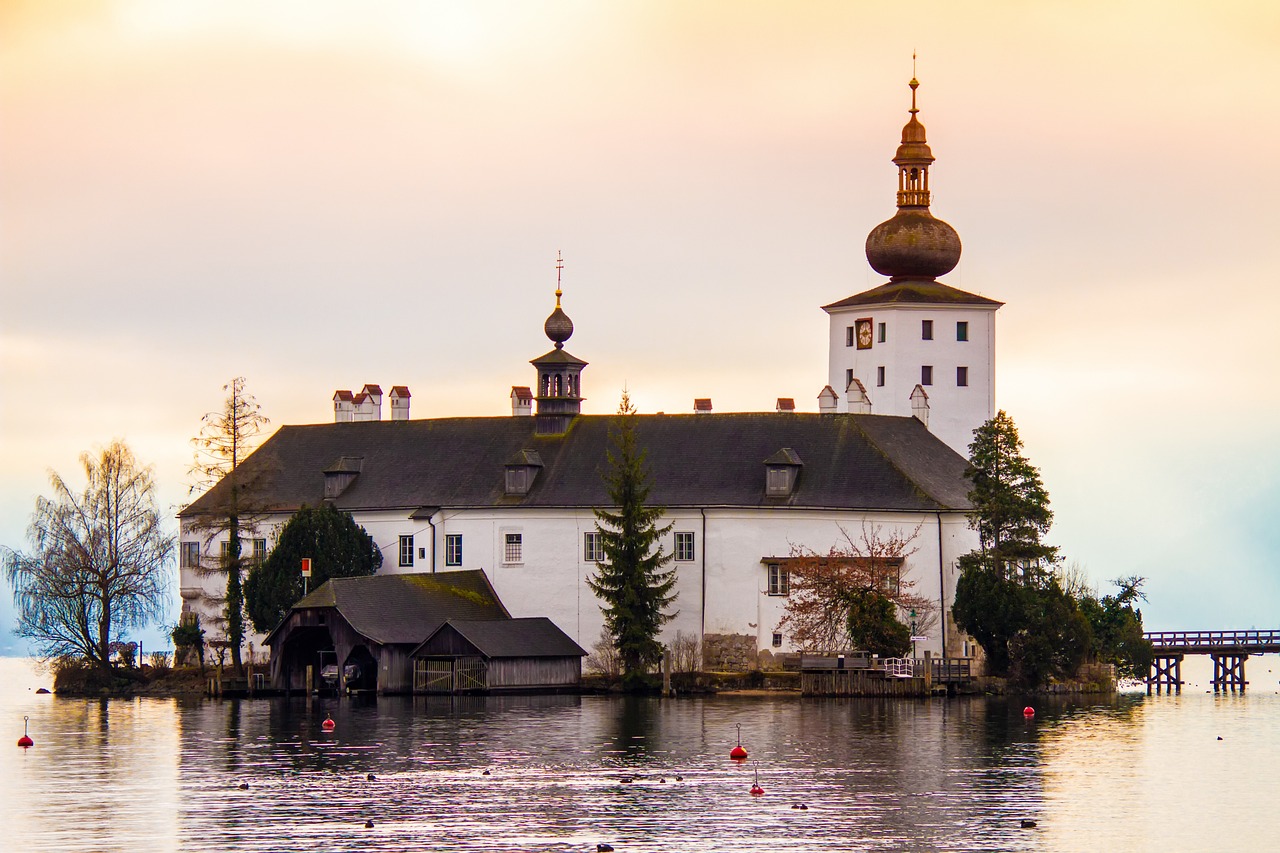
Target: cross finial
{"points": [[559, 266]]}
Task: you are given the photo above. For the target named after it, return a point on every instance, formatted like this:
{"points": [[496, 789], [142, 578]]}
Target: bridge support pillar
{"points": [[1228, 672], [1166, 674]]}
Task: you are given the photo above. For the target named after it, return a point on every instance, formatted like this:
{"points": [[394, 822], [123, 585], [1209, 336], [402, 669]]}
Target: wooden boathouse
{"points": [[358, 634], [857, 673], [497, 655]]}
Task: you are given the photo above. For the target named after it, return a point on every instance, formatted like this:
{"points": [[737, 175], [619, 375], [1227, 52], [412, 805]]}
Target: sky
{"points": [[319, 194]]}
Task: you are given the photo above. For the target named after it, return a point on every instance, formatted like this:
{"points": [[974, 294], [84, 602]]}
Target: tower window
{"points": [[850, 336], [882, 333], [926, 374], [962, 330], [926, 330], [880, 376], [962, 377], [848, 378]]}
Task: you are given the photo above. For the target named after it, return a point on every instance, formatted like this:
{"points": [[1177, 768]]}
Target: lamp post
{"points": [[913, 635]]}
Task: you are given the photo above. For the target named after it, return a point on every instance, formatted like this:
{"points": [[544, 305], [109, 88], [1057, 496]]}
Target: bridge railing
{"points": [[1224, 639]]}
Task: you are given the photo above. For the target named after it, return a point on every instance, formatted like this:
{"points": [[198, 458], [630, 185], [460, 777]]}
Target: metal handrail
{"points": [[1164, 639]]}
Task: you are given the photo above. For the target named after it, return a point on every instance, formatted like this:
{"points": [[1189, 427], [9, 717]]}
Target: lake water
{"points": [[1130, 773]]}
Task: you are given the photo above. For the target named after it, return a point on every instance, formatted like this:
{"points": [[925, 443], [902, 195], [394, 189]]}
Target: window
{"points": [[777, 481], [848, 378], [513, 548], [850, 336], [777, 639], [453, 549], [926, 330], [926, 374], [962, 330], [880, 376], [684, 546], [779, 580], [882, 333], [259, 551], [406, 550], [890, 581], [190, 555], [962, 377], [592, 548]]}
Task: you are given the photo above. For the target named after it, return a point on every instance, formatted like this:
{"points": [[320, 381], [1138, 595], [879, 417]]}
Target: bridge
{"points": [[1229, 650]]}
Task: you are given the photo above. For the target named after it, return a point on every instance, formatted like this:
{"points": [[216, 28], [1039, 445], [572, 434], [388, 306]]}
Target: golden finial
{"points": [[914, 84], [559, 266]]}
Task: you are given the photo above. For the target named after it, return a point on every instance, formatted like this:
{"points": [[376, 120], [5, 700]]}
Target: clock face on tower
{"points": [[864, 333]]}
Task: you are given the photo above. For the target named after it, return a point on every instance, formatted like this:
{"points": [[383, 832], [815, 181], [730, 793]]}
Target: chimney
{"points": [[786, 404], [399, 397], [827, 400], [702, 405], [374, 395], [859, 402], [343, 409], [521, 401], [920, 405]]}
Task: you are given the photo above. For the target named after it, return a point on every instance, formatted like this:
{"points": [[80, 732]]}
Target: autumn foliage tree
{"points": [[226, 439], [856, 595]]}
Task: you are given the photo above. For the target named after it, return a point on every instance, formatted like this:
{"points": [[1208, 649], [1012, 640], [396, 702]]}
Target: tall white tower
{"points": [[913, 345]]}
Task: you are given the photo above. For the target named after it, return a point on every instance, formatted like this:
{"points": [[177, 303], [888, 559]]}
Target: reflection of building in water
{"points": [[913, 362]]}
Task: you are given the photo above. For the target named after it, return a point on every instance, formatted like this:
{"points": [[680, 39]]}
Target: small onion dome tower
{"points": [[559, 392], [913, 245]]}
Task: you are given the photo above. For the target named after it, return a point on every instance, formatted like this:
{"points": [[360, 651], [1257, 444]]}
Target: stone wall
{"points": [[728, 652]]}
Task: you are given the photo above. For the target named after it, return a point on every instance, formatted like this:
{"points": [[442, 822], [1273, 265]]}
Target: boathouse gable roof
{"points": [[536, 637]]}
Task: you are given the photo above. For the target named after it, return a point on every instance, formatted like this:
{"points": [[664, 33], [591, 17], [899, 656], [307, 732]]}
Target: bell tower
{"points": [[558, 392], [915, 346]]}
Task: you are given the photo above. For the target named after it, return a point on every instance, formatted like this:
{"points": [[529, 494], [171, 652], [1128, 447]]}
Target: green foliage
{"points": [[1010, 503], [338, 548], [99, 563], [188, 634], [874, 625], [1117, 629], [631, 580]]}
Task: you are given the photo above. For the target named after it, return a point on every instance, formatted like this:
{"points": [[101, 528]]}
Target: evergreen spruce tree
{"points": [[338, 548], [631, 579]]}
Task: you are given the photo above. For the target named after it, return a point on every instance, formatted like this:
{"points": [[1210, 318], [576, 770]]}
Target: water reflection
{"points": [[875, 774]]}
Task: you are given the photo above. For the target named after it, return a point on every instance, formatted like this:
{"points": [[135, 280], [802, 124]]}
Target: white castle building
{"points": [[513, 496]]}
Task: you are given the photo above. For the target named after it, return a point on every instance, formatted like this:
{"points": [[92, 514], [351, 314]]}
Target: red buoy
{"points": [[328, 724], [738, 753], [1028, 711], [25, 741], [757, 791]]}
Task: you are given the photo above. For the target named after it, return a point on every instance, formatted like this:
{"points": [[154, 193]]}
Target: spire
{"points": [[559, 327], [913, 156]]}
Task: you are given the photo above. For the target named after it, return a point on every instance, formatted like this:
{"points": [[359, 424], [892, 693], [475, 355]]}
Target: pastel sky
{"points": [[319, 194]]}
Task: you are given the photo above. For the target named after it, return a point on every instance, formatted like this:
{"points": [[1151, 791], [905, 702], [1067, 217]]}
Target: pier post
{"points": [[1228, 672], [1166, 673]]}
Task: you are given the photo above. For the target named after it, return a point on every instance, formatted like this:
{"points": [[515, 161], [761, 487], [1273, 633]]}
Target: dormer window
{"points": [[782, 470], [340, 475], [521, 472]]}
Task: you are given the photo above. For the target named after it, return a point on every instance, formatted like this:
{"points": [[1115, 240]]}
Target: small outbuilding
{"points": [[471, 656], [359, 633]]}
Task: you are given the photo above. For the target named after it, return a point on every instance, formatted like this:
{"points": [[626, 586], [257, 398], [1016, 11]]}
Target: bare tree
{"points": [[233, 506], [99, 560], [826, 589]]}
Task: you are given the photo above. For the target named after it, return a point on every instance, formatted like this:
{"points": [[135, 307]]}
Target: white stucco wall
{"points": [[955, 412], [730, 551]]}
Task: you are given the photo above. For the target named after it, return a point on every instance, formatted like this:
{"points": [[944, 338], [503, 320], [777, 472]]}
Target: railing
{"points": [[1214, 639]]}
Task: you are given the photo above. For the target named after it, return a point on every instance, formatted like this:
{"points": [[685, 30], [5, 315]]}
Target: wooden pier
{"points": [[857, 674], [1228, 649]]}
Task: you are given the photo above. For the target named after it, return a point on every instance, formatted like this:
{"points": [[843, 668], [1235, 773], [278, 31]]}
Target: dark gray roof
{"points": [[915, 292], [406, 608], [535, 637], [850, 462]]}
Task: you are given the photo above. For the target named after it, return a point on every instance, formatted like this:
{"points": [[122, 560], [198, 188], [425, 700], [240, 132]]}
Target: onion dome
{"points": [[913, 244], [559, 327]]}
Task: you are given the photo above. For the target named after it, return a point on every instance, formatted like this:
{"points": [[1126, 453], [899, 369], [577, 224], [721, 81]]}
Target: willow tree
{"points": [[632, 580], [227, 437], [99, 563]]}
